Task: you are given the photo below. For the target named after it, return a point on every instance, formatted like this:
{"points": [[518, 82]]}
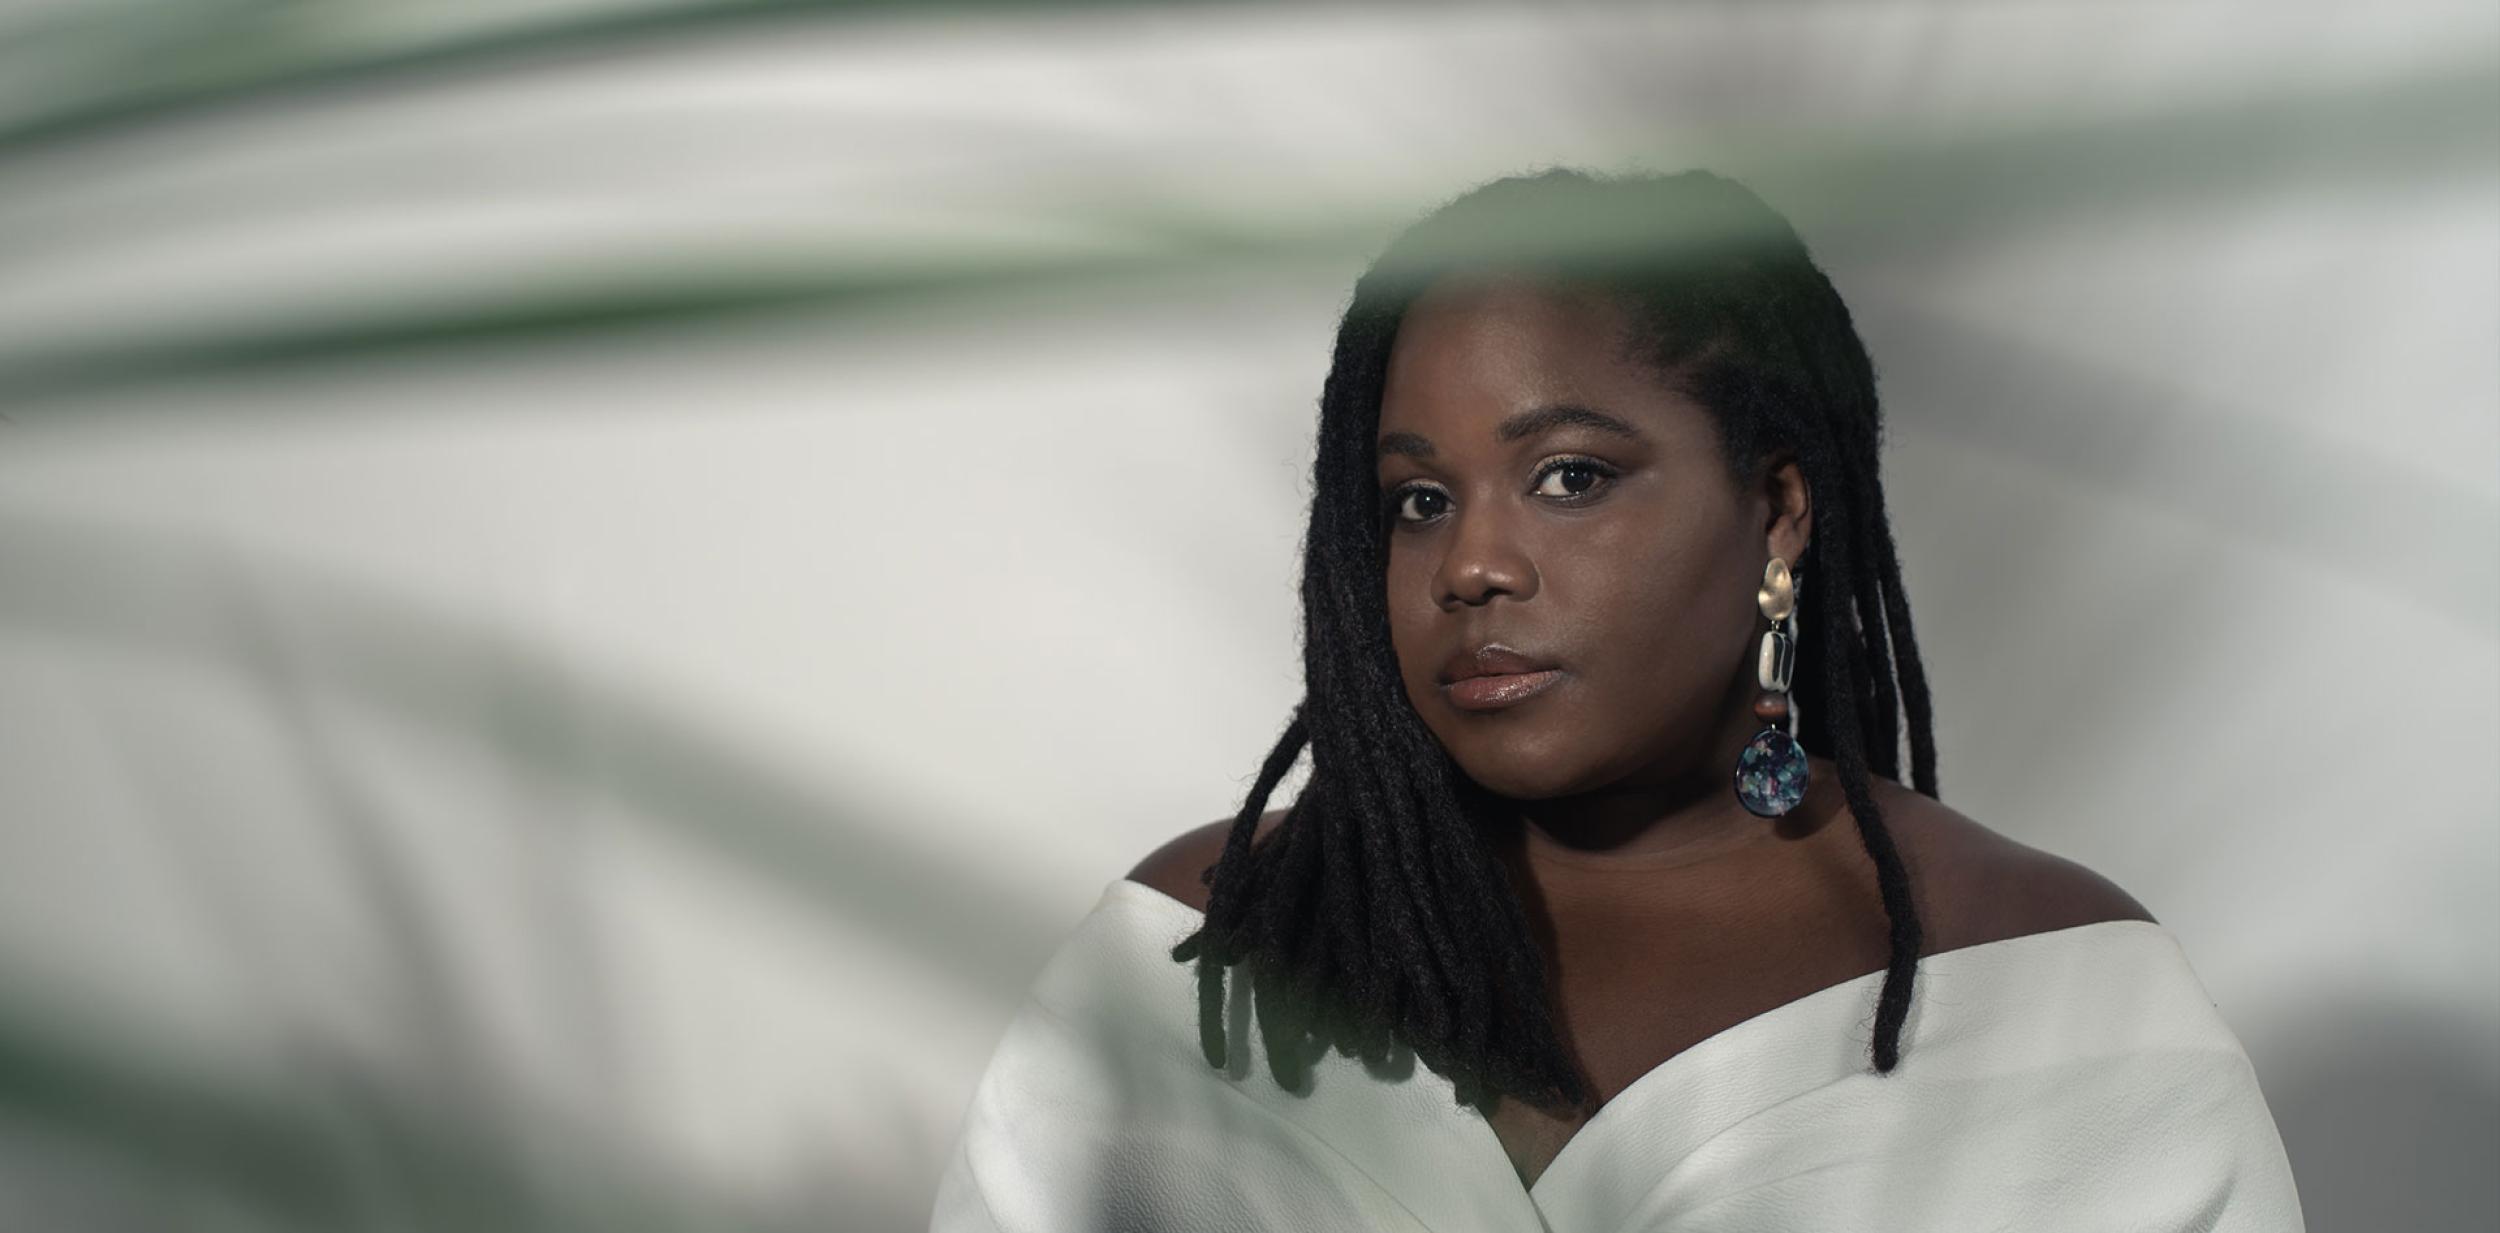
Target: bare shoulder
{"points": [[1981, 886], [1176, 867]]}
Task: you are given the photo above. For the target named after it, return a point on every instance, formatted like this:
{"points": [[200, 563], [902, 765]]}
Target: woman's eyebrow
{"points": [[1522, 425]]}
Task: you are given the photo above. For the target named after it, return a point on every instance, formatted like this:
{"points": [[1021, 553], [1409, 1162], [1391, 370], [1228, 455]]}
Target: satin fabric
{"points": [[2078, 1079]]}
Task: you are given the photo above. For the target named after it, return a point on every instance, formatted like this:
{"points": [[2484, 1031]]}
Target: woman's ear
{"points": [[1791, 526]]}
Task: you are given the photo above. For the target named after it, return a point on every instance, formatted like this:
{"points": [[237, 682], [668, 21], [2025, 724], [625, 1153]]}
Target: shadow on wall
{"points": [[146, 1125], [2390, 1117]]}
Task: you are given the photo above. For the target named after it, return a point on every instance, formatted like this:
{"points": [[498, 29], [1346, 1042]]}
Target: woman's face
{"points": [[1546, 493]]}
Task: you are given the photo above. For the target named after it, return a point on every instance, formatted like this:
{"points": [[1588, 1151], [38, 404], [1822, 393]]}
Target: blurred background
{"points": [[588, 587]]}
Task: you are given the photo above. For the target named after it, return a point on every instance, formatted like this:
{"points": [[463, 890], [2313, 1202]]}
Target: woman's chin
{"points": [[1522, 775]]}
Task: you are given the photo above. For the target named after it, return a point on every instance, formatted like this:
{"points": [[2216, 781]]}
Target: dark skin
{"points": [[1666, 911]]}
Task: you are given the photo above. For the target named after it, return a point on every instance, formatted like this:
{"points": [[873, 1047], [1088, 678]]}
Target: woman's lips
{"points": [[1488, 693]]}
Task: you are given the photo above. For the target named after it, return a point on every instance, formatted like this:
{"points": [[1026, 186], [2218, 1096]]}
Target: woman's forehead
{"points": [[1474, 351], [1514, 296]]}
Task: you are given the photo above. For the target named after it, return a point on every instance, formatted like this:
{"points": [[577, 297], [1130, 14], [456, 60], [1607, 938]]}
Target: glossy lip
{"points": [[1493, 676], [1490, 659], [1493, 692]]}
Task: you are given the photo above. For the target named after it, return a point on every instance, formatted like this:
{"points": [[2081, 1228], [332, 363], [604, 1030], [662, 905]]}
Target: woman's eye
{"points": [[1398, 502], [1595, 472]]}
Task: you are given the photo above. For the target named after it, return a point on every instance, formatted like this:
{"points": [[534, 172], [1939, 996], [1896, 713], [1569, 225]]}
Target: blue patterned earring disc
{"points": [[1771, 773]]}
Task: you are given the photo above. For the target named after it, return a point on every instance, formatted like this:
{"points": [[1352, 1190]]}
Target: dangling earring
{"points": [[1771, 773]]}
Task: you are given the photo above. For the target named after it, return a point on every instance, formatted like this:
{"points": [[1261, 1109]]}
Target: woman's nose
{"points": [[1484, 560]]}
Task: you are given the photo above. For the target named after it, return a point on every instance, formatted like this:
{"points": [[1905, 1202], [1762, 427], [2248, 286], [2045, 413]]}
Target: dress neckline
{"points": [[1810, 1019], [1806, 1012]]}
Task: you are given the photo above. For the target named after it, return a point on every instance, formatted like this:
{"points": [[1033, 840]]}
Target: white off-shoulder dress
{"points": [[2078, 1079]]}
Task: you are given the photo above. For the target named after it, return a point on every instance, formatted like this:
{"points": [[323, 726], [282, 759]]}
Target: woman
{"points": [[1607, 662]]}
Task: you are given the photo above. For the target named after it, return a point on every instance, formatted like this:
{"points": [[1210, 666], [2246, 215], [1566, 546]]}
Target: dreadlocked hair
{"points": [[1377, 912]]}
